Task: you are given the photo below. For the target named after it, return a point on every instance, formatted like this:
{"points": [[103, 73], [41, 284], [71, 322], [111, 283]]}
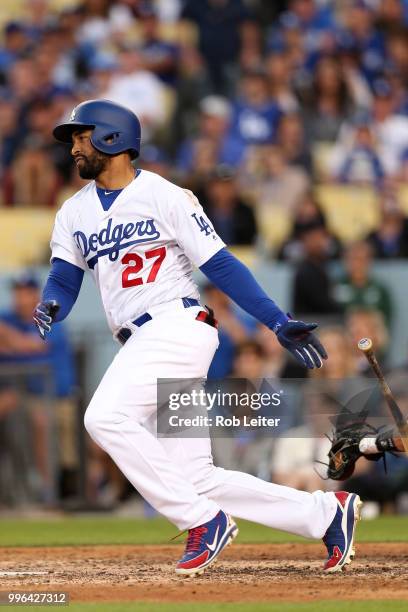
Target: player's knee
{"points": [[94, 423], [203, 477], [90, 422]]}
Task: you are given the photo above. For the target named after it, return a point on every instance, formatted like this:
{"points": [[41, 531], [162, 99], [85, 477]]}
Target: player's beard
{"points": [[92, 165]]}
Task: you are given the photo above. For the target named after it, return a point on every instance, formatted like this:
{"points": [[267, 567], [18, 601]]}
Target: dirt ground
{"points": [[264, 572]]}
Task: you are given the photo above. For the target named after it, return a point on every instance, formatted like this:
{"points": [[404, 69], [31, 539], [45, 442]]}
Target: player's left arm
{"points": [[235, 279], [59, 295]]}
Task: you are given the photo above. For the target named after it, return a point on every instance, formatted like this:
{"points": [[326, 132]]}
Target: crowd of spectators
{"points": [[38, 387], [260, 88]]}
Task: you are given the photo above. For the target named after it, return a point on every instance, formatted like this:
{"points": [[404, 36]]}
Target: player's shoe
{"points": [[339, 538], [204, 544]]}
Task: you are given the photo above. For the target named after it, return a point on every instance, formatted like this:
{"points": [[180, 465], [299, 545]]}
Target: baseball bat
{"points": [[366, 346]]}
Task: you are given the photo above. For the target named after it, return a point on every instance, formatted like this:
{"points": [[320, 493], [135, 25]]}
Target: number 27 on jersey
{"points": [[134, 265]]}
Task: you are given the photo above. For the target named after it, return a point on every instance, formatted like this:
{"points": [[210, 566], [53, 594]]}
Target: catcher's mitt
{"points": [[345, 450]]}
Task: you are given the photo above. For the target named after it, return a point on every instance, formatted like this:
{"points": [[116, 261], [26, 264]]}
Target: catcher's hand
{"points": [[345, 450], [44, 315]]}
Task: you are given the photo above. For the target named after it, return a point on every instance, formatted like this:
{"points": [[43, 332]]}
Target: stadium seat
{"points": [[10, 10], [182, 32], [352, 212], [321, 155], [169, 103], [25, 236], [403, 198], [274, 223], [15, 9], [61, 4], [246, 254]]}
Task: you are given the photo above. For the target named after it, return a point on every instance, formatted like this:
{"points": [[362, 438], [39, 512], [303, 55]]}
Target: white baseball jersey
{"points": [[140, 252]]}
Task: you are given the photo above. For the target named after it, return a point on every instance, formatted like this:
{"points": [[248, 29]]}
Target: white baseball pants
{"points": [[177, 476]]}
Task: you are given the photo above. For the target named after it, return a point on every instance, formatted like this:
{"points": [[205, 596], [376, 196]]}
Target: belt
{"points": [[124, 333]]}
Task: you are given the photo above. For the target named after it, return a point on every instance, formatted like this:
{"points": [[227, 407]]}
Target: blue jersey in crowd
{"points": [[59, 357], [254, 125]]}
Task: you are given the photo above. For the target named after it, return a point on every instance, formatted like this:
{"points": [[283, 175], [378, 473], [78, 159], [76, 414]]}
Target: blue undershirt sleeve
{"points": [[63, 285], [233, 277]]}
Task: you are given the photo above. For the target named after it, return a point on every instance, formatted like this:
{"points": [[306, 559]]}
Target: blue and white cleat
{"points": [[339, 538], [204, 544]]}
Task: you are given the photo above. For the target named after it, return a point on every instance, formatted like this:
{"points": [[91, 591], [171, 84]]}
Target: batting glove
{"points": [[44, 314], [298, 339]]}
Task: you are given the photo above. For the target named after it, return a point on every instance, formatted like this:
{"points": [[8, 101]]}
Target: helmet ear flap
{"points": [[107, 140], [112, 139]]}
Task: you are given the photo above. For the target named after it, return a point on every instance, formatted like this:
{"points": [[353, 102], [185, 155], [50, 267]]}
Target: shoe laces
{"points": [[194, 539]]}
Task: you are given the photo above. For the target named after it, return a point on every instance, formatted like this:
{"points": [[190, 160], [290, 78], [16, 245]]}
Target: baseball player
{"points": [[139, 236]]}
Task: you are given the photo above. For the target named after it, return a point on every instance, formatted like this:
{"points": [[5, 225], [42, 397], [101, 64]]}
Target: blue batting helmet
{"points": [[115, 128]]}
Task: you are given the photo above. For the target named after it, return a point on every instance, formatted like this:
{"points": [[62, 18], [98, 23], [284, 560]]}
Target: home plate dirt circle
{"points": [[262, 572]]}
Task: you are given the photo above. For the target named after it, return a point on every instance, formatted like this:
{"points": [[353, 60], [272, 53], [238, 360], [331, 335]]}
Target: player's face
{"points": [[88, 160]]}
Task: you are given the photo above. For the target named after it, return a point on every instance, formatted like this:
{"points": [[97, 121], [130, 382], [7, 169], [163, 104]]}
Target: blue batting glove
{"points": [[44, 315], [298, 339]]}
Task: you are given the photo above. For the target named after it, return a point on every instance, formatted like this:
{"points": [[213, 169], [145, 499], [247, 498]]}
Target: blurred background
{"points": [[289, 120]]}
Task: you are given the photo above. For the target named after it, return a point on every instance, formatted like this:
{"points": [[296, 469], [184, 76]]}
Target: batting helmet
{"points": [[115, 128]]}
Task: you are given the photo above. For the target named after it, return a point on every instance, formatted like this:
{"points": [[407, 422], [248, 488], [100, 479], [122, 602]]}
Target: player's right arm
{"points": [[65, 278]]}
